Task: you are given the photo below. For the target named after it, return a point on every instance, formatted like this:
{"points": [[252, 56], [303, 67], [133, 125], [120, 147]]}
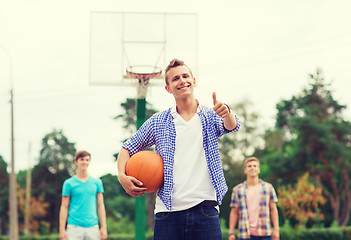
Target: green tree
{"points": [[57, 153], [276, 148], [113, 190], [128, 116], [4, 195], [315, 138], [119, 206], [56, 164], [235, 148]]}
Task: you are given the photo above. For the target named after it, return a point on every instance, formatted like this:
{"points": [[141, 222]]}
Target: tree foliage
{"points": [[4, 195], [315, 138], [55, 165], [236, 147], [118, 203], [301, 201], [128, 116], [57, 152], [37, 211]]}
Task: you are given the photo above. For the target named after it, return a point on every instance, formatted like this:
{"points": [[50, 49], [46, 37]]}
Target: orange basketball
{"points": [[147, 167]]}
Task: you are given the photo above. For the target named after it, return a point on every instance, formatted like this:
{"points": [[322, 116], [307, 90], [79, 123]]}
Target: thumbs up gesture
{"points": [[220, 108]]}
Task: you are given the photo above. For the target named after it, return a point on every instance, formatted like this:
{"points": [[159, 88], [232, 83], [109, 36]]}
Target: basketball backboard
{"points": [[121, 40]]}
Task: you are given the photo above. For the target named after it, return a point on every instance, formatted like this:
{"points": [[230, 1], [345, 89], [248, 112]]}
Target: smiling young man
{"points": [[186, 137], [82, 204], [254, 206]]}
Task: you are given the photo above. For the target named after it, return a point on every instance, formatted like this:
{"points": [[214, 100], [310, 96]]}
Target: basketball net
{"points": [[142, 87], [143, 80]]}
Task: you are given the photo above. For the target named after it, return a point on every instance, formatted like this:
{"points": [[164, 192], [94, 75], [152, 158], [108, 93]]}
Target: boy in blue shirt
{"points": [[82, 204]]}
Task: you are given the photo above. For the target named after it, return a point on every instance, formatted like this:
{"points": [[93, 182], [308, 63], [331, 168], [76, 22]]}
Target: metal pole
{"points": [[140, 202], [13, 184], [26, 230], [13, 181]]}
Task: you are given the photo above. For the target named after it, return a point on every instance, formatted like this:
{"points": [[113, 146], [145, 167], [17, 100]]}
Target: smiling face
{"points": [[180, 81], [252, 168], [83, 163]]}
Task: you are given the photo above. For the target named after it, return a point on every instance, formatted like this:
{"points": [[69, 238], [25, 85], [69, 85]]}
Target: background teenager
{"points": [[254, 206], [186, 137], [82, 204]]}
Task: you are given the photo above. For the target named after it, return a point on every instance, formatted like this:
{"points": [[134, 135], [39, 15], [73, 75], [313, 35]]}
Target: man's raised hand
{"points": [[220, 108]]}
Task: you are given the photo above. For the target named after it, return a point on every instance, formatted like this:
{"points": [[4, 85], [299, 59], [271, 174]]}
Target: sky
{"points": [[258, 50]]}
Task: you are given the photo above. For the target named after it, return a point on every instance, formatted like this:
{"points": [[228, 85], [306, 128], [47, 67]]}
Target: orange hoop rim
{"points": [[131, 72]]}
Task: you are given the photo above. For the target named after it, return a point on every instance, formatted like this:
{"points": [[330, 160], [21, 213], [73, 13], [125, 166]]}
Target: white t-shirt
{"points": [[191, 176]]}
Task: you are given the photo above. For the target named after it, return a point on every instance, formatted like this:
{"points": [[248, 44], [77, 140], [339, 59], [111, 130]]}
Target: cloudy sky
{"points": [[256, 50]]}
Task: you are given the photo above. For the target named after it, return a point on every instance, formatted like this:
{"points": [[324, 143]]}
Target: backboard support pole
{"points": [[140, 202]]}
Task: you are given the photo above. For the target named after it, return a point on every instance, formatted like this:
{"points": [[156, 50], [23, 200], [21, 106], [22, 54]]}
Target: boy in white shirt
{"points": [[186, 137]]}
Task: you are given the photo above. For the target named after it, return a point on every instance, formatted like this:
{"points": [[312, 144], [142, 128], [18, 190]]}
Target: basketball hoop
{"points": [[143, 74]]}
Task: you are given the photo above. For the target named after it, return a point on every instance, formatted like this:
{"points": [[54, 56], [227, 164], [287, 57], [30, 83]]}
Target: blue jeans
{"points": [[257, 238], [195, 223]]}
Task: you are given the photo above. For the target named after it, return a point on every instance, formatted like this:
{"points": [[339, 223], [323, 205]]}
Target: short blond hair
{"points": [[175, 63], [251, 159]]}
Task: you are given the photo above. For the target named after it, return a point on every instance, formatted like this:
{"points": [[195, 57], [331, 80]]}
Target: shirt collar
{"points": [[174, 109], [259, 180]]}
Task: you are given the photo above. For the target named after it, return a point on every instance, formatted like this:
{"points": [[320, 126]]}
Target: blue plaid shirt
{"points": [[159, 130]]}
